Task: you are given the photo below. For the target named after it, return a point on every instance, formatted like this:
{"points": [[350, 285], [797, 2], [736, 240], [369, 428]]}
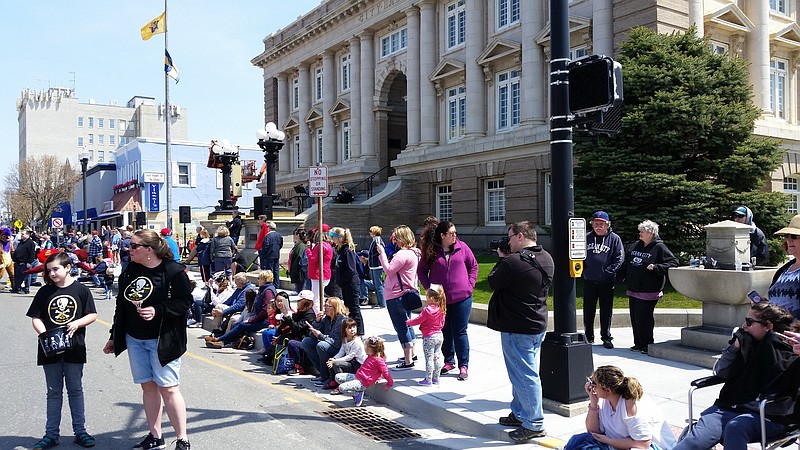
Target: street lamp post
{"points": [[222, 155], [271, 141], [84, 162]]}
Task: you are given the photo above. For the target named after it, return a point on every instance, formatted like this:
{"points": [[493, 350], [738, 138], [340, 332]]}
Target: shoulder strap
{"points": [[530, 258]]}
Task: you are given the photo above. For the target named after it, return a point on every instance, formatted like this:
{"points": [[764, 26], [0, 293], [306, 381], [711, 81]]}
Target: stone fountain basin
{"points": [[725, 287]]}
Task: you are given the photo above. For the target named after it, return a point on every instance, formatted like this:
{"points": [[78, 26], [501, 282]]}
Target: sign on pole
{"points": [[318, 181], [57, 222], [577, 239]]}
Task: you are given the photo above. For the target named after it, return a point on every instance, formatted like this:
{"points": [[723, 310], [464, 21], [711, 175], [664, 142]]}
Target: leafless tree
{"points": [[37, 185]]}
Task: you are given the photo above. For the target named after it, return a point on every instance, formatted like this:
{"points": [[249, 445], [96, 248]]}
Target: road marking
{"points": [[285, 389]]}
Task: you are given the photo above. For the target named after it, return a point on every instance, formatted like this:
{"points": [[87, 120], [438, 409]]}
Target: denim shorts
{"points": [[143, 357]]}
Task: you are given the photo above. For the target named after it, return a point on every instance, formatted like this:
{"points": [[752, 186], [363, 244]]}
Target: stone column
{"points": [[413, 77], [367, 82], [330, 155], [534, 71], [284, 157], [355, 97], [429, 108], [304, 85], [696, 16], [603, 27], [758, 53], [476, 85]]}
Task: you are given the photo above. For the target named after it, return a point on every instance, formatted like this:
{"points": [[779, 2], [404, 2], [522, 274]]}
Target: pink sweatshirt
{"points": [[430, 320], [405, 263], [372, 370]]}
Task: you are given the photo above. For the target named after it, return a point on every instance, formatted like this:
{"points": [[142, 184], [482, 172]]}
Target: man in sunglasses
{"points": [[758, 242]]}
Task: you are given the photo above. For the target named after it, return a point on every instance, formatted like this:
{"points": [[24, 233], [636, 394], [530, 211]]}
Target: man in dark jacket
{"points": [[234, 226], [604, 256], [759, 249], [271, 249], [23, 256], [518, 310]]}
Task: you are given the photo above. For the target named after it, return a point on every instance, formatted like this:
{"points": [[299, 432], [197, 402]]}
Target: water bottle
{"points": [[737, 265]]}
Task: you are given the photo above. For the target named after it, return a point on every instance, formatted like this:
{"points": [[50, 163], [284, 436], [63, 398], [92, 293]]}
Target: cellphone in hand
{"points": [[754, 297]]}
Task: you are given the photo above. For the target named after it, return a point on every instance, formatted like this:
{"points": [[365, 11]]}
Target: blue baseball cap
{"points": [[600, 215]]}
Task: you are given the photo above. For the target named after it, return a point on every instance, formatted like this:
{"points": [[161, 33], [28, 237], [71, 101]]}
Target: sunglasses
{"points": [[738, 216], [750, 321], [792, 237], [135, 245]]}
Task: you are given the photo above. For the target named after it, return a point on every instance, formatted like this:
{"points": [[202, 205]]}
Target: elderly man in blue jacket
{"points": [[234, 304], [604, 256]]}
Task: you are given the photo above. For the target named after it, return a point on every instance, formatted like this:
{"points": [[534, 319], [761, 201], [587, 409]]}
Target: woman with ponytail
{"points": [[620, 416]]}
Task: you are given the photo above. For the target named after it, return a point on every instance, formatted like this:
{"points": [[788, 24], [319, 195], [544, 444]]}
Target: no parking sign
{"points": [[57, 222]]}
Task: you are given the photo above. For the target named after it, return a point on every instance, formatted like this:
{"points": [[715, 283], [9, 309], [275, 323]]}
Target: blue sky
{"points": [[211, 43]]}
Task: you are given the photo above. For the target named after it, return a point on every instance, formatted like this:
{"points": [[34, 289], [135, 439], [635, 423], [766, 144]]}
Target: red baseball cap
{"points": [[165, 232]]}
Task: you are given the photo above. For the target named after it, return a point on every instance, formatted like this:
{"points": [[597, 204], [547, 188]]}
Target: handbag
{"points": [[245, 343], [282, 363], [410, 298]]}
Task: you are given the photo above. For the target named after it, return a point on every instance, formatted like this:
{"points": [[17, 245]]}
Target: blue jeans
{"points": [[318, 352], [399, 315], [20, 277], [241, 329], [275, 267], [734, 429], [222, 265], [521, 355], [145, 366], [377, 284], [350, 298], [199, 308], [585, 441], [456, 341], [56, 374], [364, 288]]}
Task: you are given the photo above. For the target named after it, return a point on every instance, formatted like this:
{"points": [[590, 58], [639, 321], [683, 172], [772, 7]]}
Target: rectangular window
{"points": [[80, 121], [91, 139], [456, 113], [101, 139], [100, 122], [297, 151], [121, 124], [318, 84], [548, 208], [91, 155], [91, 122], [319, 145], [101, 156], [111, 123], [123, 140], [456, 23], [184, 174], [508, 100], [80, 141], [112, 140], [790, 184], [777, 84], [495, 202], [719, 48], [507, 13], [394, 42], [577, 52], [778, 6], [345, 140], [345, 73], [295, 94], [444, 202]]}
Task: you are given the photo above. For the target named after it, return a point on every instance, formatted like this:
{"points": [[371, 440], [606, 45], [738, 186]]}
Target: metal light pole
{"points": [[84, 163], [271, 141]]}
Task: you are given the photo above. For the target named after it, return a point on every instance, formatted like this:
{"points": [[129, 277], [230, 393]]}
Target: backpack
{"points": [[282, 363], [245, 343]]}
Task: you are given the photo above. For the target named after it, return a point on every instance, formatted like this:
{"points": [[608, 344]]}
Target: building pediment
{"points": [[729, 17], [499, 48], [576, 23], [339, 107], [446, 68], [291, 123], [788, 36], [314, 115]]}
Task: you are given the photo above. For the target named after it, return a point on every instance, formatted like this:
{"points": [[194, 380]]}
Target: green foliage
{"points": [[686, 156]]}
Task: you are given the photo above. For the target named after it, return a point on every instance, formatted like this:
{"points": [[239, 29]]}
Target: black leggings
{"points": [[642, 321]]}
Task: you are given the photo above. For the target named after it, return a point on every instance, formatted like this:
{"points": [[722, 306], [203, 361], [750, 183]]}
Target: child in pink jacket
{"points": [[431, 321], [369, 373]]}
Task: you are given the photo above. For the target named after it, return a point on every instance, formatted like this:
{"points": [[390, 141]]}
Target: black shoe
{"points": [[510, 421], [364, 302], [151, 442], [644, 351], [523, 434], [635, 349], [14, 291], [182, 444], [607, 343], [404, 366], [36, 283]]}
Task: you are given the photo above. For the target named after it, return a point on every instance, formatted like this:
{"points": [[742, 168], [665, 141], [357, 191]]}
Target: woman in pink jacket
{"points": [[401, 276], [313, 259]]}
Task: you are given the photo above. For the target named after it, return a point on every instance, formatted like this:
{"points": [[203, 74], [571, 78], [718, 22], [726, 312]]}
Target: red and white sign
{"points": [[318, 181], [57, 222]]}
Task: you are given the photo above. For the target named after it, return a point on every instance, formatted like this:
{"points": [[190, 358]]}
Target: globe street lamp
{"points": [[223, 155], [84, 158], [270, 140]]}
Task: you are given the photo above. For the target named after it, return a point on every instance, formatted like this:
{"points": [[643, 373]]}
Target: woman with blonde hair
{"points": [[222, 248], [325, 337], [347, 265], [401, 277]]}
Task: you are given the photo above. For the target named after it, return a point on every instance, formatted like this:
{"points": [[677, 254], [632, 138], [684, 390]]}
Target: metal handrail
{"points": [[368, 182]]}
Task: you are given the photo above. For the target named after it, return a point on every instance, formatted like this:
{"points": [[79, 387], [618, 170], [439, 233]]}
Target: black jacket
{"points": [[638, 256], [25, 252], [519, 301]]}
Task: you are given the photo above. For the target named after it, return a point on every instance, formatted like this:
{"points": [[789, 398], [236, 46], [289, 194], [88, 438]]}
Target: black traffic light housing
{"points": [[595, 84]]}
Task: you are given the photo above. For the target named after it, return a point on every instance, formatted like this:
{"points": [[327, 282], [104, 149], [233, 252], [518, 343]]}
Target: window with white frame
{"points": [[345, 140], [112, 123], [790, 188], [100, 122], [718, 48], [295, 94], [80, 121], [548, 208], [578, 52], [508, 100], [91, 122], [444, 202], [112, 140], [91, 139], [344, 70], [122, 124], [91, 155], [777, 85], [123, 140], [456, 23], [394, 42], [319, 145], [318, 84], [778, 6], [80, 141], [456, 113], [507, 13], [184, 174], [495, 195], [101, 156], [101, 139], [297, 151]]}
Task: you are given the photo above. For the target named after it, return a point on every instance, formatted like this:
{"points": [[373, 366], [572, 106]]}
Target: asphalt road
{"points": [[233, 402]]}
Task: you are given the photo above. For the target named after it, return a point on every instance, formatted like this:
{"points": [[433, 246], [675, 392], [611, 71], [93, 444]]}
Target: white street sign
{"points": [[318, 181], [57, 222], [577, 239]]}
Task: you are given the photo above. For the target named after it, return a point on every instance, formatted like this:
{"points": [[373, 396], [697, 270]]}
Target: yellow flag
{"points": [[155, 26]]}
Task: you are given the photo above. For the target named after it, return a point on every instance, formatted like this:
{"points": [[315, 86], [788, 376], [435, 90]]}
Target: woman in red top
{"points": [[313, 259]]}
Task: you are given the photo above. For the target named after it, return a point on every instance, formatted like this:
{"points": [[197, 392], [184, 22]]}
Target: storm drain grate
{"points": [[365, 422]]}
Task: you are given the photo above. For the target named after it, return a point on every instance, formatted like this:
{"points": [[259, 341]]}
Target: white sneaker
{"points": [[190, 322]]}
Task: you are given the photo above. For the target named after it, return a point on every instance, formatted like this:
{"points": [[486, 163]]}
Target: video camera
{"points": [[500, 244]]}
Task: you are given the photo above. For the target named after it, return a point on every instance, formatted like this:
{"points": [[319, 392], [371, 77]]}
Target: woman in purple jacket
{"points": [[450, 263]]}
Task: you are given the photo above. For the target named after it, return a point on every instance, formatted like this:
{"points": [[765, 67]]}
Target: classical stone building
{"points": [[449, 99]]}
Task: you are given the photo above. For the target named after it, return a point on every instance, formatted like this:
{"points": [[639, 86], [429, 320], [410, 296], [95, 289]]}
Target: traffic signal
{"points": [[595, 83]]}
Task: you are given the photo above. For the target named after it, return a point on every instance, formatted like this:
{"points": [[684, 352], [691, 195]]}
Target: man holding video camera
{"points": [[518, 310]]}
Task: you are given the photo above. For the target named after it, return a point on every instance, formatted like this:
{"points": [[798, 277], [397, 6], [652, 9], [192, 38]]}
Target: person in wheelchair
{"points": [[758, 362], [623, 419]]}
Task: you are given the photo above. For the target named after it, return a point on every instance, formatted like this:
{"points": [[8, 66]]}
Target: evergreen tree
{"points": [[686, 155]]}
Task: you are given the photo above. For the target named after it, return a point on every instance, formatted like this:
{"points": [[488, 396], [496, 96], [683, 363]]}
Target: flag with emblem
{"points": [[169, 67], [155, 26]]}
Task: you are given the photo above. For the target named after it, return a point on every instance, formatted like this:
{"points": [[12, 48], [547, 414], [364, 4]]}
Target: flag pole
{"points": [[168, 180]]}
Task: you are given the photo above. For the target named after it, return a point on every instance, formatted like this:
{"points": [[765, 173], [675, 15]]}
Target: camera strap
{"points": [[530, 258]]}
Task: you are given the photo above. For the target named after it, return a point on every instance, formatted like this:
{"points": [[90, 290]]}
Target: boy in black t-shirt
{"points": [[66, 304]]}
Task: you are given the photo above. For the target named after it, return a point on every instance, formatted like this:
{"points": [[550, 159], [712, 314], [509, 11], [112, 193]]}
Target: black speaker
{"points": [[185, 213], [258, 206], [141, 218]]}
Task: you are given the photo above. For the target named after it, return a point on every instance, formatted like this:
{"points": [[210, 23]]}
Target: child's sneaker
{"points": [[463, 375], [435, 381], [425, 383], [46, 442], [358, 398], [448, 366]]}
